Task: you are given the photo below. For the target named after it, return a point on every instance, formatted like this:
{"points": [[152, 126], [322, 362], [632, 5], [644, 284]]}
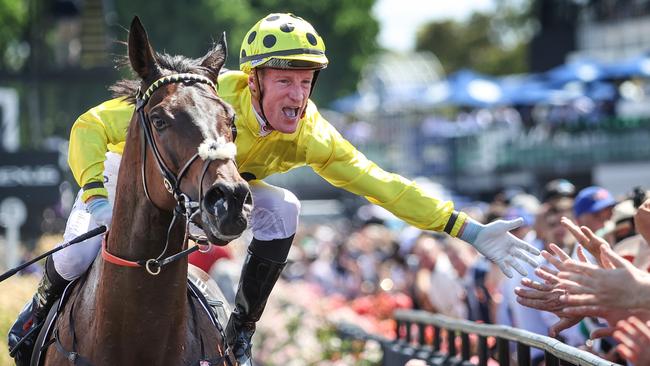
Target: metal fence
{"points": [[422, 335]]}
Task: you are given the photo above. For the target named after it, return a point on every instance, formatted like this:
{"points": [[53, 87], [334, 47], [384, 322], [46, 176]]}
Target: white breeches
{"points": [[275, 216], [73, 261], [275, 211]]}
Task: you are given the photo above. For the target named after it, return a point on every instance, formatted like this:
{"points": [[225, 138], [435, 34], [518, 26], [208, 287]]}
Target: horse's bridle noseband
{"points": [[185, 206]]}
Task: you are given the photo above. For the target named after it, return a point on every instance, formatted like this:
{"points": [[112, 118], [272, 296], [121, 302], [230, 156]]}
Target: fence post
{"points": [[422, 333], [465, 346], [523, 354], [503, 351], [436, 338], [482, 351], [550, 359], [451, 343], [409, 337], [398, 325]]}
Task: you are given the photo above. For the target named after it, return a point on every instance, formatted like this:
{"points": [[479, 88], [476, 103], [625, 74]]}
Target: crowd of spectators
{"points": [[598, 284], [589, 290]]}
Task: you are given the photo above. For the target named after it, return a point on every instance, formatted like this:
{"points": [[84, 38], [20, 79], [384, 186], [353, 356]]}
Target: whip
{"points": [[94, 232]]}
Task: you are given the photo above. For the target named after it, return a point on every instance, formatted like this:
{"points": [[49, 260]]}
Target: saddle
{"points": [[201, 287], [211, 294]]}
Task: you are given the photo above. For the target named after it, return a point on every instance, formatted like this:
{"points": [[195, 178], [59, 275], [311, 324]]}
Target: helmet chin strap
{"points": [[258, 94], [311, 90]]}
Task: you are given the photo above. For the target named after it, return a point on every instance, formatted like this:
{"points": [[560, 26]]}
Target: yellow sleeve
{"points": [[90, 137], [341, 164]]}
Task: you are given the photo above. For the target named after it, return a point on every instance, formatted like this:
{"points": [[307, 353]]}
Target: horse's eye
{"points": [[159, 123]]}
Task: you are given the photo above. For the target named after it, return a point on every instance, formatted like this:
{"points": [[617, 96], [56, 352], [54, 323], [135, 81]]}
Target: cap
{"points": [[592, 199], [558, 188]]}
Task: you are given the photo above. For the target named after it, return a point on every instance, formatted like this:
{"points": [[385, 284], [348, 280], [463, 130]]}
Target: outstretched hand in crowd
{"points": [[633, 336], [618, 285], [547, 296], [590, 296], [585, 237], [642, 220]]}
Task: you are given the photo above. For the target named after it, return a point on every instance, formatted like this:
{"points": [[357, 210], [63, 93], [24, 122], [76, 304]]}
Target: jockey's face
{"points": [[285, 94]]}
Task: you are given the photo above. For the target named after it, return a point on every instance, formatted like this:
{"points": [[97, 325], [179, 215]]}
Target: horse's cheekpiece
{"points": [[208, 151]]}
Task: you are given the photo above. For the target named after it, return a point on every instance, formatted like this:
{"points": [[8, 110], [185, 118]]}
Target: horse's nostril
{"points": [[222, 198], [212, 197]]}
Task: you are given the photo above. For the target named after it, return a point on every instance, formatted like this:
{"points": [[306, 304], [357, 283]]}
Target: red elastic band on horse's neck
{"points": [[114, 259]]}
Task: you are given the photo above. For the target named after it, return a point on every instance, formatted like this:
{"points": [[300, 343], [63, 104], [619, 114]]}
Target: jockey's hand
{"points": [[101, 210], [497, 244]]}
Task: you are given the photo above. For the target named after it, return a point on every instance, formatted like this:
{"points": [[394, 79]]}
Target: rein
{"points": [[209, 150]]}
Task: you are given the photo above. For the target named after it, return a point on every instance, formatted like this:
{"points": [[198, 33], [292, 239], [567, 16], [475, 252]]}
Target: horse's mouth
{"points": [[211, 231], [220, 240], [225, 211]]}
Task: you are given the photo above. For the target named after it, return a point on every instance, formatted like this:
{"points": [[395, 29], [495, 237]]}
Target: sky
{"points": [[400, 19]]}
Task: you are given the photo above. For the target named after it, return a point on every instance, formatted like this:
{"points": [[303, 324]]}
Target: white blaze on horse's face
{"points": [[285, 94]]}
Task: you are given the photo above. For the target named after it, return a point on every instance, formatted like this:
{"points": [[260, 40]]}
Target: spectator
{"points": [[581, 289], [514, 314], [593, 207], [621, 224], [635, 249], [437, 286], [642, 220], [558, 189]]}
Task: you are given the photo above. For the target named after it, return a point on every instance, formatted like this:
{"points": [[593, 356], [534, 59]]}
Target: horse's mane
{"points": [[128, 88]]}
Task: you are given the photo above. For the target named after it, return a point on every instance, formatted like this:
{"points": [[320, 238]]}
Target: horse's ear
{"points": [[141, 55], [216, 57]]}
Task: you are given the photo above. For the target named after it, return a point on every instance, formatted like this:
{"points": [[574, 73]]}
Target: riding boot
{"points": [[257, 279], [34, 313]]}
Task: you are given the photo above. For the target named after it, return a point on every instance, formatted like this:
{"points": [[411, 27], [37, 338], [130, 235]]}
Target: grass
{"points": [[14, 293]]}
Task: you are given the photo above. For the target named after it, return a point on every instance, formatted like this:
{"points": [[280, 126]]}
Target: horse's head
{"points": [[189, 154]]}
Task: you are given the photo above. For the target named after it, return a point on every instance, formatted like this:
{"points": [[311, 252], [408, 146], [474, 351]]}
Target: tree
{"points": [[13, 23], [60, 92], [493, 43], [348, 31], [189, 27]]}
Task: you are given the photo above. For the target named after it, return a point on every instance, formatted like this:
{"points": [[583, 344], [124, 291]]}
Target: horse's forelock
{"points": [[170, 64]]}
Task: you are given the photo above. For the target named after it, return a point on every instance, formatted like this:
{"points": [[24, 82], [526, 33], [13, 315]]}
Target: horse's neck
{"points": [[154, 305]]}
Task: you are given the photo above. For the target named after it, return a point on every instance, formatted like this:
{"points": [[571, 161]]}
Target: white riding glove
{"points": [[498, 245], [101, 211]]}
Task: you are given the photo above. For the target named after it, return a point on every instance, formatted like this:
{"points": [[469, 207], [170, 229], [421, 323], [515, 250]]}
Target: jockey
{"points": [[278, 129]]}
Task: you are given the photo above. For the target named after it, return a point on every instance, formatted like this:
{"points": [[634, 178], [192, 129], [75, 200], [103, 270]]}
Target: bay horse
{"points": [[133, 308]]}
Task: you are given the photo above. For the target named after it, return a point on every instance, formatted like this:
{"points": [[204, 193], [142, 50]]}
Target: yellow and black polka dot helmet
{"points": [[282, 41]]}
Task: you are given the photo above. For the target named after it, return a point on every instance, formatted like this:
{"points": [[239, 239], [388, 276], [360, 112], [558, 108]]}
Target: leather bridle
{"points": [[185, 206]]}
